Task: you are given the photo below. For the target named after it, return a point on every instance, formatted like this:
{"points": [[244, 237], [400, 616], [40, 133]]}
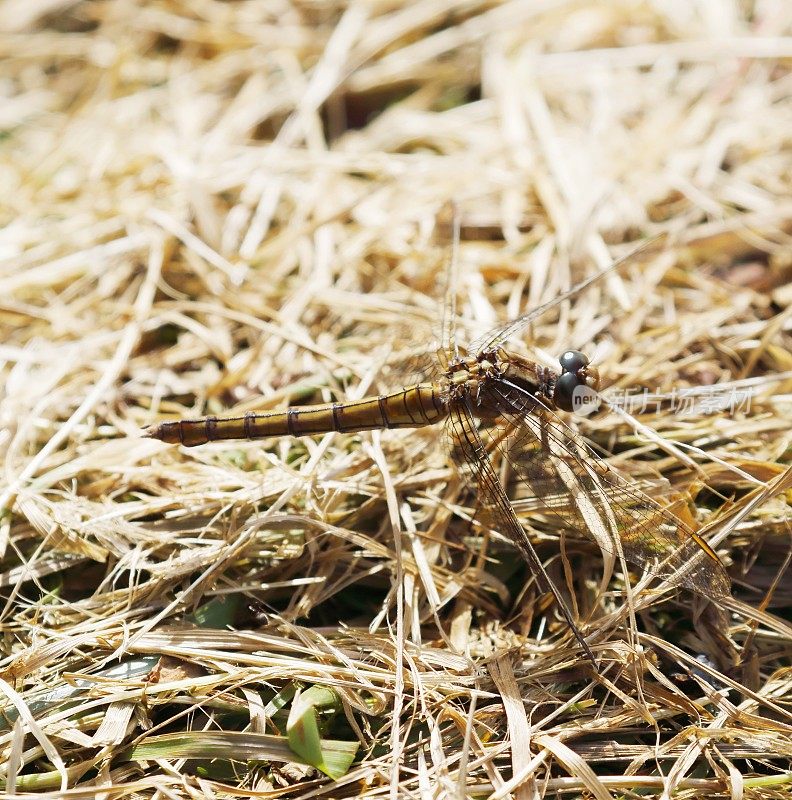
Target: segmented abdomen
{"points": [[412, 407]]}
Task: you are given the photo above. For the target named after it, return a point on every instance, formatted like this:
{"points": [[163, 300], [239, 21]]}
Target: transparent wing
{"points": [[449, 335], [588, 496], [495, 504], [498, 336], [413, 362], [429, 354]]}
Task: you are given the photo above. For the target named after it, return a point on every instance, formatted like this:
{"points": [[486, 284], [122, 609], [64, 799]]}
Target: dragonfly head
{"points": [[577, 382]]}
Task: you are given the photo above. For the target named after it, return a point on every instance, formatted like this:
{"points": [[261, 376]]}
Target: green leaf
{"points": [[331, 757], [226, 745], [237, 746], [218, 613]]}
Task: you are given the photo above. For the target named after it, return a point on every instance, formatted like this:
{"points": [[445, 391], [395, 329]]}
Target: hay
{"points": [[210, 207]]}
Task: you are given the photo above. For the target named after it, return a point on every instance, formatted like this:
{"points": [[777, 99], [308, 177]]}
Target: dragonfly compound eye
{"points": [[572, 361], [566, 388], [576, 386]]}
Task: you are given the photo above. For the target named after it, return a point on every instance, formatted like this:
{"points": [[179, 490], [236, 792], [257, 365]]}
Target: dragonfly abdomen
{"points": [[412, 407]]}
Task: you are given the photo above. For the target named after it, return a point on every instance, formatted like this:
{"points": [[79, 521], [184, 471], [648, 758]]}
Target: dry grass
{"points": [[216, 206]]}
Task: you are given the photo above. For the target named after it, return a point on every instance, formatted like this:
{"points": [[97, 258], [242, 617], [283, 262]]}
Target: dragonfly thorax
{"points": [[487, 379], [467, 376]]}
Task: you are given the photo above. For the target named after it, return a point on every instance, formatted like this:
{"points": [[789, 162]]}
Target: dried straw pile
{"points": [[215, 205]]}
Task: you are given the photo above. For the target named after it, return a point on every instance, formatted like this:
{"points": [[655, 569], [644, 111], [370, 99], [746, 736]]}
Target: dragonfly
{"points": [[495, 403]]}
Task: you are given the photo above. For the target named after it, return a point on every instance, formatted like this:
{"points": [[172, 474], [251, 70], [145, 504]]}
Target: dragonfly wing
{"points": [[494, 502], [410, 366], [498, 336], [581, 492], [449, 341]]}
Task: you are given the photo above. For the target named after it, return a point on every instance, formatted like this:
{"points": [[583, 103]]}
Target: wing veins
{"points": [[684, 551], [502, 333], [495, 501]]}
